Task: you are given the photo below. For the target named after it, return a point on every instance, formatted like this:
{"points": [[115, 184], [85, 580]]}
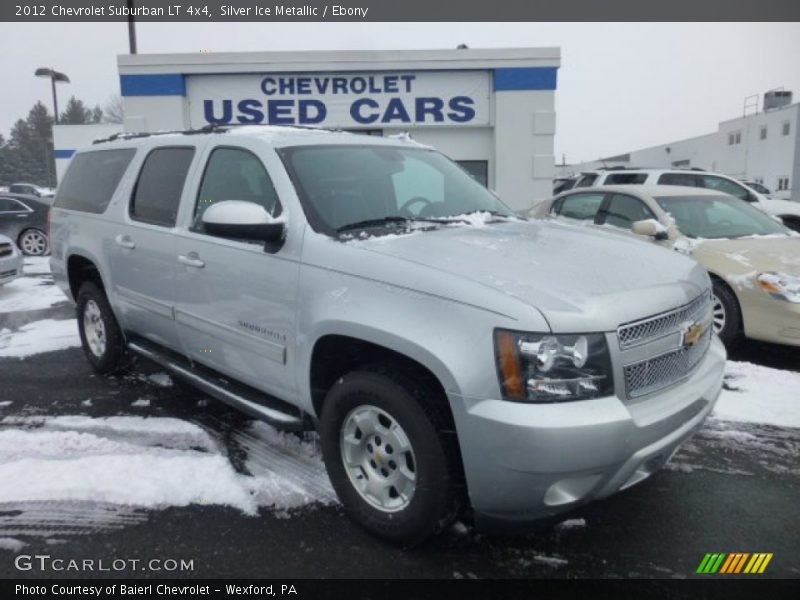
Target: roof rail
{"points": [[209, 128]]}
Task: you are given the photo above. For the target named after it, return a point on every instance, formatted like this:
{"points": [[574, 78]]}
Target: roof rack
{"points": [[209, 128]]}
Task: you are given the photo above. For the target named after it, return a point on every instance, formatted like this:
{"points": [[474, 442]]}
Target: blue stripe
{"points": [[63, 153], [525, 78], [161, 84]]}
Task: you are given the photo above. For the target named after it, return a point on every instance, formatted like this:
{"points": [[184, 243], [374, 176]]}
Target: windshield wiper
{"points": [[373, 222]]}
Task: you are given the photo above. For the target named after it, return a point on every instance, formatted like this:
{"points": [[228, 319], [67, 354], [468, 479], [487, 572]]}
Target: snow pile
{"points": [[30, 293], [14, 545], [760, 395], [46, 335], [36, 265], [153, 463]]}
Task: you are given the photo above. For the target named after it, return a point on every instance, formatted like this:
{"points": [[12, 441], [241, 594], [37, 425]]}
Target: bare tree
{"points": [[114, 110]]}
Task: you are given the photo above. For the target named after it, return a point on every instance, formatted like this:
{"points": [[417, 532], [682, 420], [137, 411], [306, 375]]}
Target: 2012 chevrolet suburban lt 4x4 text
{"points": [[452, 356]]}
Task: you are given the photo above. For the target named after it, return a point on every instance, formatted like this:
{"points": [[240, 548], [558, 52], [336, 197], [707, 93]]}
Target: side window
{"points": [[625, 178], [726, 186], [157, 194], [586, 180], [680, 179], [418, 186], [92, 178], [581, 206], [234, 174], [623, 211], [9, 205]]}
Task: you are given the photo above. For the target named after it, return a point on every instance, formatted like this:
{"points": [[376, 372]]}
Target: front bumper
{"points": [[10, 267], [525, 462]]}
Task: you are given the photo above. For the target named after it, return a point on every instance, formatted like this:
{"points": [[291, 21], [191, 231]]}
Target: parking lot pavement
{"points": [[137, 467]]}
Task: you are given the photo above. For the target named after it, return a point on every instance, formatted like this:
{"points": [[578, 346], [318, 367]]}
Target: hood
{"points": [[776, 206], [743, 259], [580, 280]]}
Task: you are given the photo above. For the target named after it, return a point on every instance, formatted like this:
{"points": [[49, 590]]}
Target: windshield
{"points": [[372, 186], [718, 217]]}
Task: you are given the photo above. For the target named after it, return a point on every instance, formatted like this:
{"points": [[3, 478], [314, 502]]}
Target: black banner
{"points": [[408, 10]]}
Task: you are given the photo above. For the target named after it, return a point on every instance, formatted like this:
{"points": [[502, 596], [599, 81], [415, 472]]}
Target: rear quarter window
{"points": [[92, 178]]}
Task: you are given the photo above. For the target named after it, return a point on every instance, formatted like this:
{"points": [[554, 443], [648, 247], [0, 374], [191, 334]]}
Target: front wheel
{"points": [[385, 456], [726, 317], [100, 333]]}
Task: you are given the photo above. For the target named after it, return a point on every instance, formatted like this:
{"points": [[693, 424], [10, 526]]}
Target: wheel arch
{"points": [[81, 268], [719, 278]]}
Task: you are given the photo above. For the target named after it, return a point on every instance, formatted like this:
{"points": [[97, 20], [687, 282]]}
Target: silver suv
{"points": [[451, 355]]}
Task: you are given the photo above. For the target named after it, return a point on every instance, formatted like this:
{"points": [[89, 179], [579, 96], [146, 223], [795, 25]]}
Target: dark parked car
{"points": [[30, 190], [23, 218]]}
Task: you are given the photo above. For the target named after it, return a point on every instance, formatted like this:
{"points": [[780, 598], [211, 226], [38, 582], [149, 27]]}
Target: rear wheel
{"points": [[101, 336], [726, 316], [386, 459], [33, 242]]}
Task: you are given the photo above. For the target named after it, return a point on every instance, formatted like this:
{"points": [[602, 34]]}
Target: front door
{"points": [[235, 309]]}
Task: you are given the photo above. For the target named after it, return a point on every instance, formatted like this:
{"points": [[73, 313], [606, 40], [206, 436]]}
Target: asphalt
{"points": [[719, 494]]}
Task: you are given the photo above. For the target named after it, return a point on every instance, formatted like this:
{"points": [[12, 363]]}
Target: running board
{"points": [[256, 404]]}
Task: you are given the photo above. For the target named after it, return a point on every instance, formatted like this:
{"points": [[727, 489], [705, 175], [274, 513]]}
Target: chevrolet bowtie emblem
{"points": [[692, 332]]}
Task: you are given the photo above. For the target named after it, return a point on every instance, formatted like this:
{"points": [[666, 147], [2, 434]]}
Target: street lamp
{"points": [[55, 77]]}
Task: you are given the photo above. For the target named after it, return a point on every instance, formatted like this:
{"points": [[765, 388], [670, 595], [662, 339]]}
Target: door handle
{"points": [[125, 241], [191, 260]]}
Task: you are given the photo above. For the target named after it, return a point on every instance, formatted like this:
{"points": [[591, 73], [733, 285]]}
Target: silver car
{"points": [[10, 260], [450, 355]]}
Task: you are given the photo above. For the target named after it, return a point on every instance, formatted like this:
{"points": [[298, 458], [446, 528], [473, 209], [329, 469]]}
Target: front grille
{"points": [[11, 273], [639, 332], [6, 250], [651, 375]]}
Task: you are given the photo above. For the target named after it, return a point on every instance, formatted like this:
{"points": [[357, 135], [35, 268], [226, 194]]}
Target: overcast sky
{"points": [[620, 86]]}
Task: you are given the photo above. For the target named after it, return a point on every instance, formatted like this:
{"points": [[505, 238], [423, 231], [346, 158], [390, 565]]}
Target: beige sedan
{"points": [[753, 260]]}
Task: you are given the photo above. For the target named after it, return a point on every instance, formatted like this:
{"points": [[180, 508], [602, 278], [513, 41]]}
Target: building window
{"points": [[762, 134], [478, 170], [734, 137], [783, 184], [786, 128]]}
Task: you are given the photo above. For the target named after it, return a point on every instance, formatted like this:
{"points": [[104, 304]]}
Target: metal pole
{"points": [[55, 100], [131, 28]]}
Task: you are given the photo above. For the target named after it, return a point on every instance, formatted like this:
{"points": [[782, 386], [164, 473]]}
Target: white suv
{"points": [[786, 210]]}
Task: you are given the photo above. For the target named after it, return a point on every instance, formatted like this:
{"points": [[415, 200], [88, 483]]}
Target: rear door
{"points": [[236, 305], [143, 249]]}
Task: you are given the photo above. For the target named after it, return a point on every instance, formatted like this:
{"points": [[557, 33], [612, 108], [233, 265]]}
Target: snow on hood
{"points": [[577, 278]]}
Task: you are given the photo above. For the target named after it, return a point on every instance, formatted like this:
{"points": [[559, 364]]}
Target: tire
{"points": [[726, 315], [376, 409], [101, 336], [33, 242]]}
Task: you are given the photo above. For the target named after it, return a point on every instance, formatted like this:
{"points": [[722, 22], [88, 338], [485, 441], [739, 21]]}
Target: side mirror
{"points": [[650, 228], [243, 220]]}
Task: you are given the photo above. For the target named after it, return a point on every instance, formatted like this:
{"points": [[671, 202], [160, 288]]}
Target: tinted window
{"points": [[586, 180], [160, 184], [92, 178], [11, 205], [623, 211], [687, 179], [625, 178], [580, 206], [234, 174]]}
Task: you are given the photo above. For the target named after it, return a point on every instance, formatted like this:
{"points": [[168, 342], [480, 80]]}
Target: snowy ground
{"points": [[73, 472]]}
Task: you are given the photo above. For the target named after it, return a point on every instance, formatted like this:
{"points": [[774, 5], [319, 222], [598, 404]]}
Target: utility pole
{"points": [[131, 27]]}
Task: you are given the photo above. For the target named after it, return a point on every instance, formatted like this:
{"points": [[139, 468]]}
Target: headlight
{"points": [[780, 286], [543, 367]]}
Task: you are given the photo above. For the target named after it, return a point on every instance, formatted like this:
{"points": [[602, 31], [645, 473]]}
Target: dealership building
{"points": [[762, 146], [492, 110]]}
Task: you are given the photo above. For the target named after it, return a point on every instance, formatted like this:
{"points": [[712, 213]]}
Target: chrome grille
{"points": [[651, 375], [639, 332], [5, 249]]}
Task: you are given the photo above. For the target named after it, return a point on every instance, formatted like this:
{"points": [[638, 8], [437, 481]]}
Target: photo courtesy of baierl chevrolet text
{"points": [[368, 299]]}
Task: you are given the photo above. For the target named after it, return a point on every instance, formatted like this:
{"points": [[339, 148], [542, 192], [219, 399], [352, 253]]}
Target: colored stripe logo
{"points": [[734, 563]]}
